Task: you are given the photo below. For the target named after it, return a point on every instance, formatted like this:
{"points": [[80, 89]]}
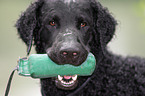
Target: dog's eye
{"points": [[83, 24], [52, 23]]}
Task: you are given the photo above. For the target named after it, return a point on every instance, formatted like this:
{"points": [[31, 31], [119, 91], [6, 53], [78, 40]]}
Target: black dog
{"points": [[67, 30]]}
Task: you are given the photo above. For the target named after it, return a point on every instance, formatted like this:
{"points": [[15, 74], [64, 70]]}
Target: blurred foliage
{"points": [[140, 10]]}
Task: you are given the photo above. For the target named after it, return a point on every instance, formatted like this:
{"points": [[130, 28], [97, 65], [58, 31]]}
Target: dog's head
{"points": [[67, 30]]}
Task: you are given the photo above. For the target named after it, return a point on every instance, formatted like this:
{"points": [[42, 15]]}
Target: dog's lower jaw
{"points": [[68, 87]]}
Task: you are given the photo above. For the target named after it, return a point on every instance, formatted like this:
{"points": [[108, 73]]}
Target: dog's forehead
{"points": [[69, 4], [75, 1], [61, 8], [70, 1]]}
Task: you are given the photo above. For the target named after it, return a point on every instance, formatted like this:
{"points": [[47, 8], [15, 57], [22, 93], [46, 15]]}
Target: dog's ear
{"points": [[104, 23], [27, 23]]}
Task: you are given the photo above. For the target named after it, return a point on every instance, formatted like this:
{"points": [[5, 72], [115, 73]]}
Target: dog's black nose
{"points": [[72, 54], [68, 55], [68, 49]]}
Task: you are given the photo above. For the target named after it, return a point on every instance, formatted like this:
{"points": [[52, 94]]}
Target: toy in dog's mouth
{"points": [[41, 66], [66, 82]]}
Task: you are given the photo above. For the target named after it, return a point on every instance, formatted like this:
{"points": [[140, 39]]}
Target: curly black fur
{"points": [[114, 75]]}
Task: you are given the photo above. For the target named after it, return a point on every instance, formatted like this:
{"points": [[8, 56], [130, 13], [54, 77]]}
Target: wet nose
{"points": [[70, 54]]}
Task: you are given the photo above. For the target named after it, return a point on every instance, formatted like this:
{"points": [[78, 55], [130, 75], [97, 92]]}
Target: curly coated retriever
{"points": [[67, 30]]}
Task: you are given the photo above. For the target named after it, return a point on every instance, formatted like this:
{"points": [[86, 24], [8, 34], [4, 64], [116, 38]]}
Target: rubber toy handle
{"points": [[41, 66]]}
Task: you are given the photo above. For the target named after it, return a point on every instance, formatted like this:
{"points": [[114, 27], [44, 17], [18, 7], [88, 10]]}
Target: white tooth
{"points": [[63, 82], [74, 77], [67, 83], [59, 77], [72, 82]]}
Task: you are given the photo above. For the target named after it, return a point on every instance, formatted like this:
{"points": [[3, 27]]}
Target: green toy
{"points": [[41, 66]]}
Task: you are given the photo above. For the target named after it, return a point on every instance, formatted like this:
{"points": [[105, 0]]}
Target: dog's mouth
{"points": [[66, 82]]}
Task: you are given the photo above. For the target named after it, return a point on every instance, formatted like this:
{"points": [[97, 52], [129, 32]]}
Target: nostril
{"points": [[75, 54], [64, 53], [69, 54]]}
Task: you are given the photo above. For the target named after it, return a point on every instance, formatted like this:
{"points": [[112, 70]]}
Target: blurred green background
{"points": [[129, 39]]}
